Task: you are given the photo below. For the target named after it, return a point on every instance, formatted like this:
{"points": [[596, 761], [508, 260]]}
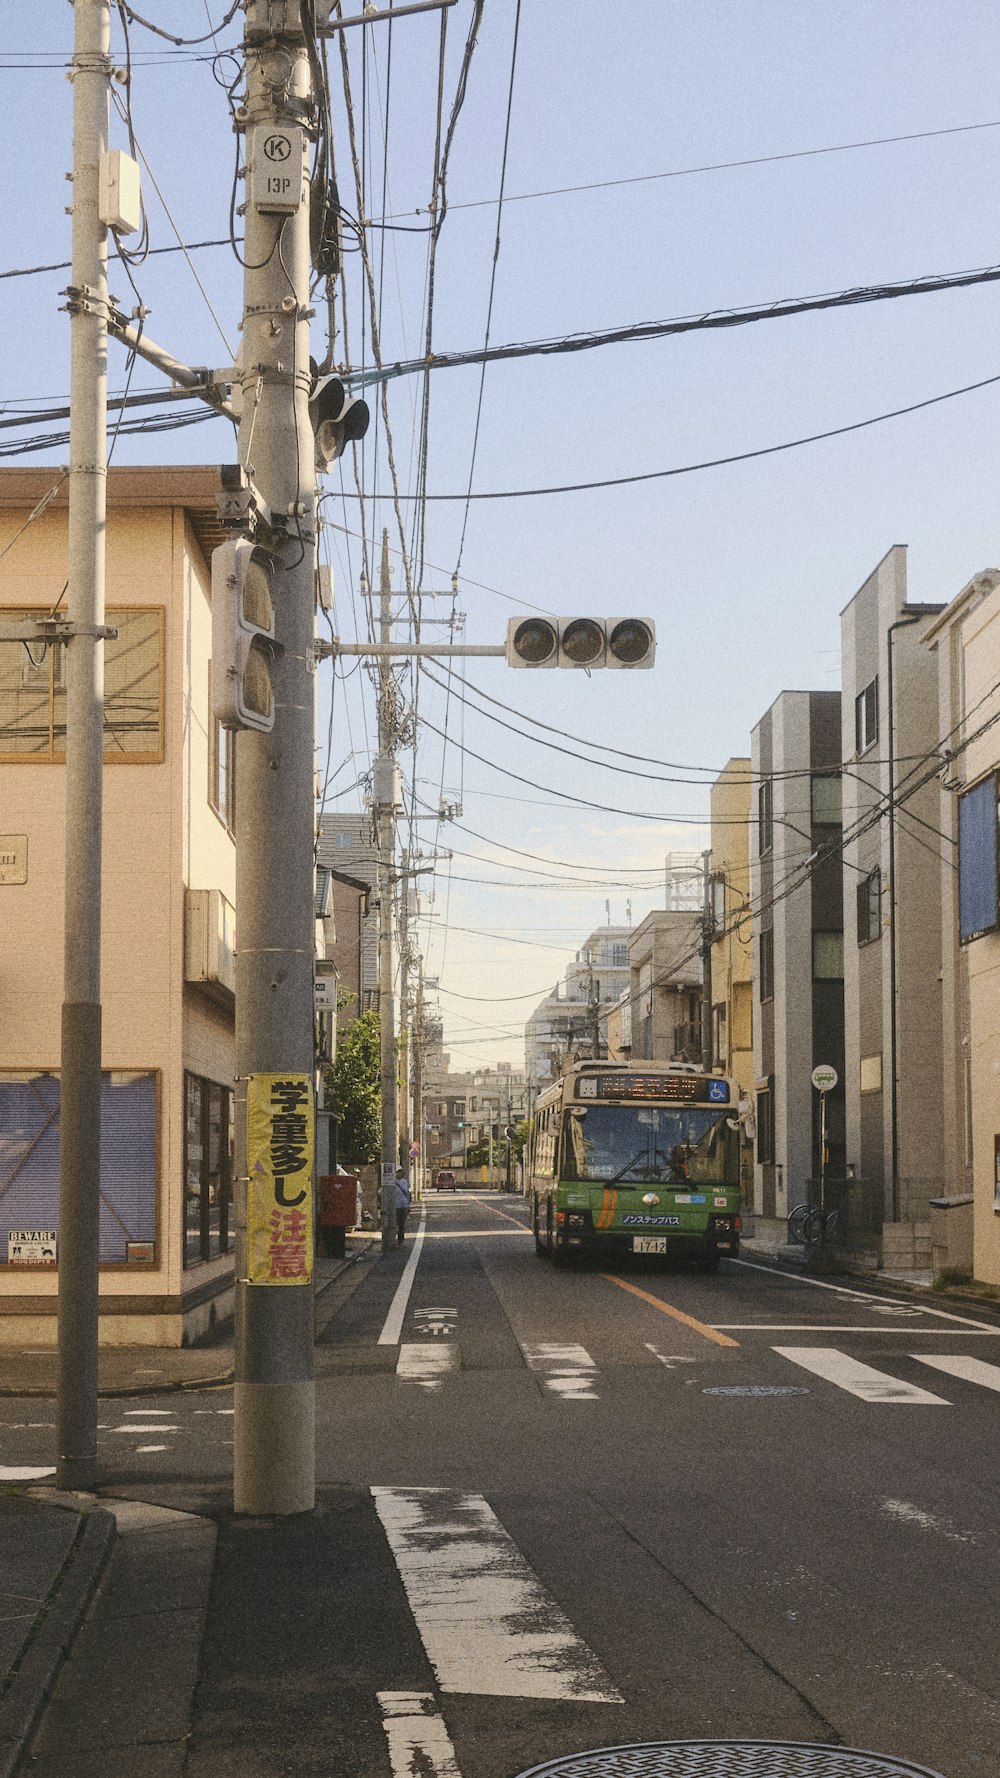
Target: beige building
{"points": [[965, 640], [168, 921], [893, 1011], [665, 987]]}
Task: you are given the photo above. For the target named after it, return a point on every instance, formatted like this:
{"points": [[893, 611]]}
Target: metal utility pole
{"points": [[707, 1046], [80, 1085], [274, 1428], [386, 803]]}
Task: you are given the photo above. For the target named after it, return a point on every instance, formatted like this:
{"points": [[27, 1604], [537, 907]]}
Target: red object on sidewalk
{"points": [[339, 1206]]}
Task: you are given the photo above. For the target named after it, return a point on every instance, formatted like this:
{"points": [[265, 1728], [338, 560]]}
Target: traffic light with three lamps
{"points": [[581, 642]]}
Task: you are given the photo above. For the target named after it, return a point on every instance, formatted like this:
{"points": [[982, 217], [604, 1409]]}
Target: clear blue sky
{"points": [[745, 569]]}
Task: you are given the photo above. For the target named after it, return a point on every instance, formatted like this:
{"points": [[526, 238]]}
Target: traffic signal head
{"points": [[242, 635], [337, 418], [585, 642]]}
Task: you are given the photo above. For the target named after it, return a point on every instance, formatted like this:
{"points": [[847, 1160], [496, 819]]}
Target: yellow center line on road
{"points": [[708, 1333]]}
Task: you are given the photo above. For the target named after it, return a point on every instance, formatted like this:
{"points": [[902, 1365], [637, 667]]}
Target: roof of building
{"points": [[191, 486]]}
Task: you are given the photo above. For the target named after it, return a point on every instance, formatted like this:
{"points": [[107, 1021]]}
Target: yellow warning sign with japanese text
{"points": [[280, 1147]]}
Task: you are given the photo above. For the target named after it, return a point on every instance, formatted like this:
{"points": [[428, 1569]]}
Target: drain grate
{"points": [[728, 1759]]}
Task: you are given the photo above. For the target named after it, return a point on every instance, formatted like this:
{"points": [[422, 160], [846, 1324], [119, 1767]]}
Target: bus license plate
{"points": [[649, 1243]]}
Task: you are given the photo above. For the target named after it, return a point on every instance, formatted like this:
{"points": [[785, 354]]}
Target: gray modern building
{"points": [[893, 1010], [798, 945]]}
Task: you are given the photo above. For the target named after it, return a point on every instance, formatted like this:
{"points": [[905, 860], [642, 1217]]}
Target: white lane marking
{"points": [[417, 1737], [24, 1475], [569, 1371], [437, 1323], [857, 1378], [155, 1426], [907, 1514], [397, 1313], [425, 1363], [486, 1622], [906, 1333], [971, 1370], [140, 1448], [861, 1296], [665, 1358], [147, 1413]]}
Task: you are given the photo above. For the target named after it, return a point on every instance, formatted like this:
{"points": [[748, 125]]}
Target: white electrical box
{"points": [[324, 586], [120, 202], [387, 783], [277, 168], [210, 943]]}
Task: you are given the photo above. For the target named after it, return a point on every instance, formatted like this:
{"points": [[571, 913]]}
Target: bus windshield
{"points": [[651, 1144]]}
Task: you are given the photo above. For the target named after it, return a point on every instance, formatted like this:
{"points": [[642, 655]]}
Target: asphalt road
{"points": [[562, 1509]]}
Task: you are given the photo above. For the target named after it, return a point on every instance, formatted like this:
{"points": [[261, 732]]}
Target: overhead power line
{"points": [[755, 160], [709, 320], [791, 444]]}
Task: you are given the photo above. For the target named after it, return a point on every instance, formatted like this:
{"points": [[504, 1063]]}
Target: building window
{"points": [[866, 717], [33, 693], [619, 956], [826, 800], [765, 817], [869, 892], [208, 1169], [222, 767], [29, 1147], [871, 1074], [978, 856], [828, 956], [765, 968], [765, 1124], [342, 841]]}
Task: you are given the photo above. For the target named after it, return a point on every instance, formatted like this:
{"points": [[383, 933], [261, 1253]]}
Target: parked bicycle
{"points": [[808, 1226]]}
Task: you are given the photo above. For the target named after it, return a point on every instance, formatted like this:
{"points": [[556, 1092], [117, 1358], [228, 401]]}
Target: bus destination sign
{"points": [[688, 1089]]}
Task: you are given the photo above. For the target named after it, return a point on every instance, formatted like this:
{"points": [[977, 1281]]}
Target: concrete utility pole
{"points": [[405, 1031], [80, 1085], [419, 1170], [274, 1428], [386, 803], [707, 1046]]}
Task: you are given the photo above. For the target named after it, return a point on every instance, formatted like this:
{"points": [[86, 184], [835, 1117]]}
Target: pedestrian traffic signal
{"points": [[585, 642], [242, 635], [337, 419]]}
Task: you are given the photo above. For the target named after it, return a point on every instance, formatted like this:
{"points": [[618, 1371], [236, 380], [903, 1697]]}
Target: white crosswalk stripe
{"points": [[957, 1364], [488, 1625], [426, 1363], [568, 1371], [859, 1379]]}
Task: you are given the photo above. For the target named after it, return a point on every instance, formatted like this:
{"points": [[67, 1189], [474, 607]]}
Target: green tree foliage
{"points": [[355, 1094]]}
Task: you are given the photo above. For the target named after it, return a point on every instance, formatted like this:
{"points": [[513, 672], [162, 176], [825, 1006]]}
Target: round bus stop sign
{"points": [[824, 1078]]}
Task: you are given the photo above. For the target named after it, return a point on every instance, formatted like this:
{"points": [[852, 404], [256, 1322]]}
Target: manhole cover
{"points": [[754, 1389], [727, 1759]]}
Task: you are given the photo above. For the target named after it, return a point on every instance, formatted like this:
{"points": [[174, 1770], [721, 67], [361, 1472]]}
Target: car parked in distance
{"points": [[446, 1180]]}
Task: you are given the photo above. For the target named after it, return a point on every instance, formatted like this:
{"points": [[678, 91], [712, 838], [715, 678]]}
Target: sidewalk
{"points": [[150, 1370], [54, 1547]]}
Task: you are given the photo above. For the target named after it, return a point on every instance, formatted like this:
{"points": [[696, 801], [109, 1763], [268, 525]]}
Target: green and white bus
{"points": [[636, 1157]]}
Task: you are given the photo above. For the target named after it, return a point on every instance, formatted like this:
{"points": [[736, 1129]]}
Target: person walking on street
{"points": [[402, 1205]]}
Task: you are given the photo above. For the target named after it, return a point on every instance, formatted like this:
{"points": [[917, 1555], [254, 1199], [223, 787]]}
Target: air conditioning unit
{"points": [[210, 943]]}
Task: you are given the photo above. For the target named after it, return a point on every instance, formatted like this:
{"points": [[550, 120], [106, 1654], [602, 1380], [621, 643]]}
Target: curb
{"points": [[49, 1643], [221, 1379]]}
